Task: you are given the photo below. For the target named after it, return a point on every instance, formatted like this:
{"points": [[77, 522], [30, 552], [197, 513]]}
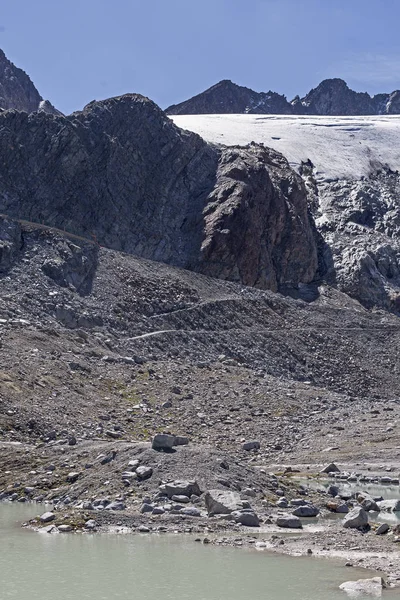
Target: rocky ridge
{"points": [[18, 92], [330, 97], [122, 173]]}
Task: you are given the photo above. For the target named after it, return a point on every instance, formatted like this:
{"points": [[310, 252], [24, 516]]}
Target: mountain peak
{"points": [[17, 90], [331, 97]]}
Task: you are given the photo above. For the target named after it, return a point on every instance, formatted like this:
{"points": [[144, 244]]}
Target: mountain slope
{"points": [[330, 97], [120, 171], [227, 97]]}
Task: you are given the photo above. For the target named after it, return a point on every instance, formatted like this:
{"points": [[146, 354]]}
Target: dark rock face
{"points": [[17, 90], [228, 98], [122, 174], [330, 97], [257, 229], [10, 242]]}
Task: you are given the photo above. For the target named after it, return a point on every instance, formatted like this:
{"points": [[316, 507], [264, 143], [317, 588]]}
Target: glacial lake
{"points": [[42, 566]]}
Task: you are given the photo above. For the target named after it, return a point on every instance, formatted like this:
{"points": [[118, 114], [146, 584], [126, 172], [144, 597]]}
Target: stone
{"points": [[382, 529], [357, 518], [298, 502], [290, 522], [333, 491], [180, 440], [389, 505], [246, 518], [307, 510], [129, 475], [72, 477], [371, 587], [255, 445], [65, 528], [116, 506], [147, 508], [144, 472], [47, 517], [133, 464], [190, 512], [370, 505], [221, 502], [180, 488], [180, 498], [163, 441], [108, 458], [331, 468], [158, 510], [115, 435], [91, 524]]}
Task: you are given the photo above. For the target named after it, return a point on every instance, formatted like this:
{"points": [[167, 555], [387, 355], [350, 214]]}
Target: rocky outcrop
{"points": [[257, 229], [123, 175], [10, 242], [364, 587], [330, 97], [17, 90], [359, 222]]}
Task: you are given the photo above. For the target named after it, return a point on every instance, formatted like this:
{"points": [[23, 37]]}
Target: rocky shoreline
{"points": [[230, 502]]}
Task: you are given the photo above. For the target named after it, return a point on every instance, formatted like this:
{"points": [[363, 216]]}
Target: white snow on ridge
{"points": [[339, 147]]}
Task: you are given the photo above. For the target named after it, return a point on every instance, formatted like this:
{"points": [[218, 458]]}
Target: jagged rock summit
{"points": [[227, 97], [330, 97], [334, 97], [17, 90]]}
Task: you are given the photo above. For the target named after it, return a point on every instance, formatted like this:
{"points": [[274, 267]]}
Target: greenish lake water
{"points": [[148, 567]]}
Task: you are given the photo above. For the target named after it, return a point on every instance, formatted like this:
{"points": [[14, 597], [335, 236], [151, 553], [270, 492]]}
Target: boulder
{"points": [[180, 498], [389, 505], [383, 528], [331, 468], [254, 445], [47, 517], [371, 587], [248, 518], [221, 502], [163, 441], [180, 440], [307, 510], [333, 491], [180, 488], [144, 472], [370, 505], [290, 522], [190, 512], [356, 518], [116, 506]]}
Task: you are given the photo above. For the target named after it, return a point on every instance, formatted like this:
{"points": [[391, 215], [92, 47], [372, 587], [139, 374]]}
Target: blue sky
{"points": [[77, 51]]}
